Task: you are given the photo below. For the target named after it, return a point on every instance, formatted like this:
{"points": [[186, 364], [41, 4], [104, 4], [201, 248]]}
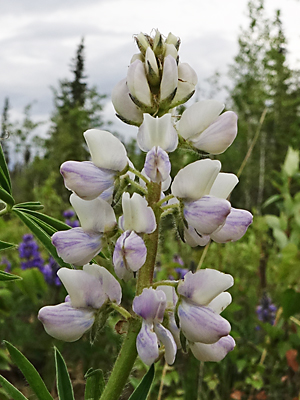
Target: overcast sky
{"points": [[38, 39]]}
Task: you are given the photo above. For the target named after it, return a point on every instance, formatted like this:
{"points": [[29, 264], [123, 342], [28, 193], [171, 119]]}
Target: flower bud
{"points": [[172, 39], [187, 81], [138, 86], [126, 110], [158, 44], [169, 82], [171, 51], [151, 67], [142, 42]]}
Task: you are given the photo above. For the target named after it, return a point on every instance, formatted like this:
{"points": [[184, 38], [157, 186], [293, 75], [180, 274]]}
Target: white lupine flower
{"points": [[202, 126], [79, 245], [151, 305], [138, 85], [187, 81], [106, 150], [157, 165], [89, 289], [213, 352], [157, 132], [125, 108], [137, 216]]}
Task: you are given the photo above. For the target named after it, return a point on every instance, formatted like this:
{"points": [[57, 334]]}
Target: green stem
{"points": [[128, 352], [121, 310], [5, 210], [137, 185], [165, 283], [139, 174]]}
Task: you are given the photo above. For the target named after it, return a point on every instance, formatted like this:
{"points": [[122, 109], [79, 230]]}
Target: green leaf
{"points": [[32, 376], [12, 391], [40, 233], [94, 384], [4, 173], [141, 392], [290, 302], [5, 276], [6, 245], [53, 222], [271, 200], [30, 205], [6, 197], [63, 381]]}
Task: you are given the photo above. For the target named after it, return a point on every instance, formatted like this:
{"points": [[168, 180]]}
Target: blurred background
{"points": [[58, 64]]}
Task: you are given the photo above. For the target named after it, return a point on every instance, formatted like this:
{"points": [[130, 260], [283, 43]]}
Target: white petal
{"points": [[235, 226], [84, 290], [169, 78], [219, 303], [77, 247], [85, 179], [187, 81], [137, 83], [193, 238], [106, 150], [146, 344], [137, 216], [213, 352], [94, 215], [204, 285], [223, 185], [151, 59], [124, 106], [157, 132], [63, 322], [198, 117], [219, 135], [206, 214], [196, 179], [166, 338], [201, 324]]}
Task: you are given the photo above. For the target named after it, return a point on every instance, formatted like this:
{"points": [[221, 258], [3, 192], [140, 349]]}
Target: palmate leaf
{"points": [[38, 229], [12, 391], [30, 205], [63, 381], [6, 245], [5, 276], [141, 392], [4, 173], [6, 197], [53, 222], [30, 373]]}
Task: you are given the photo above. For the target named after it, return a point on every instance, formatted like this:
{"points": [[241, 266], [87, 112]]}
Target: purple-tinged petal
{"points": [[194, 238], [126, 110], [201, 324], [196, 179], [85, 179], [107, 195], [150, 305], [166, 338], [213, 352], [157, 165], [219, 303], [65, 322], [84, 290], [110, 285], [147, 344], [137, 216], [94, 215], [106, 150], [235, 226], [204, 285], [206, 214], [129, 254], [198, 117], [75, 246], [156, 131], [171, 295], [223, 185]]}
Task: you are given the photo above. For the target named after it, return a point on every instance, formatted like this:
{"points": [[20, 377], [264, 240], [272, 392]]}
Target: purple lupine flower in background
{"points": [[266, 310], [29, 252], [70, 218], [4, 261], [50, 272]]}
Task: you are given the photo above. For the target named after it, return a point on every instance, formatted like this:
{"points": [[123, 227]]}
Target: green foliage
{"points": [[94, 384], [142, 390], [63, 381]]}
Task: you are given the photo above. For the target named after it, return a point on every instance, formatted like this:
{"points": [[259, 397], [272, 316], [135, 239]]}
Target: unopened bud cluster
{"points": [[197, 197]]}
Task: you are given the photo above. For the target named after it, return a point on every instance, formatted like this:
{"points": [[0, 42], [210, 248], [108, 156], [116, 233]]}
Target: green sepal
{"points": [[30, 373], [30, 205], [5, 276], [94, 384], [6, 197], [4, 173], [6, 245], [141, 392], [63, 381], [12, 391], [41, 234]]}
